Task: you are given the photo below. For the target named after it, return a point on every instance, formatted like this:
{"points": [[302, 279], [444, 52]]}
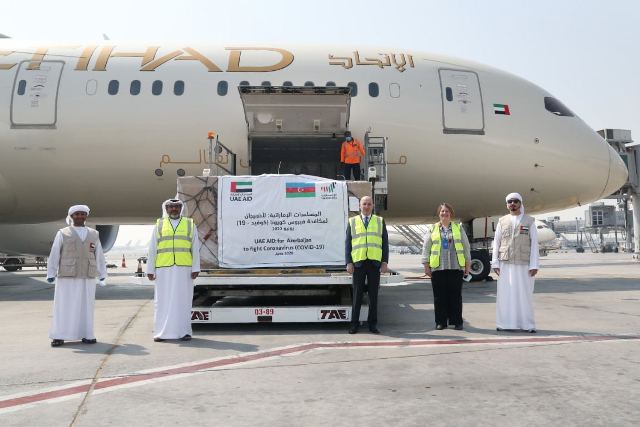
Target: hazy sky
{"points": [[585, 52]]}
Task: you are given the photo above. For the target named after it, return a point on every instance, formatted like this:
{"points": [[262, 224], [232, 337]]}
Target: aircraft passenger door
{"points": [[34, 101], [462, 110]]}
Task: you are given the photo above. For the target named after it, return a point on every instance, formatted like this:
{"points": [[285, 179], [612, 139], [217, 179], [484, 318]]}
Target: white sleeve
{"points": [[53, 262], [100, 260], [495, 262], [426, 246], [195, 251], [535, 253], [151, 256]]}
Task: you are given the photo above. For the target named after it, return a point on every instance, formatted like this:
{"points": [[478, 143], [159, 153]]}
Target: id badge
{"points": [[445, 242]]}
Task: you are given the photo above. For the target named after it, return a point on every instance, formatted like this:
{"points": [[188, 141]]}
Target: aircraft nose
{"points": [[617, 174]]}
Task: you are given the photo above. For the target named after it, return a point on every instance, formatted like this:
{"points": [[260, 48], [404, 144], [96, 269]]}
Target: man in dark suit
{"points": [[367, 255]]}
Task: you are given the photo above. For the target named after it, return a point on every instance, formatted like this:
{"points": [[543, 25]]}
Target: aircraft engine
{"points": [[108, 235], [36, 239]]}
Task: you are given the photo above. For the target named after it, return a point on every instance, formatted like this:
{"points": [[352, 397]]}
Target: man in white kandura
{"points": [[515, 261], [76, 259], [173, 262]]}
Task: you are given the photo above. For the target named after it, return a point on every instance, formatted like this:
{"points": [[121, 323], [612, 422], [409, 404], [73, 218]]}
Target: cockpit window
{"points": [[557, 107]]}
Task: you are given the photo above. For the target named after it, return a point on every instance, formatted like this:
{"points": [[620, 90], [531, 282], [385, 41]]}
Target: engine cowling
{"points": [[108, 235], [36, 239]]}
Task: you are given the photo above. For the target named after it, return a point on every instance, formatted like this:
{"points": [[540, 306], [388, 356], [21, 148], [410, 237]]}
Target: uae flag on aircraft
{"points": [[501, 109], [241, 186], [301, 189]]}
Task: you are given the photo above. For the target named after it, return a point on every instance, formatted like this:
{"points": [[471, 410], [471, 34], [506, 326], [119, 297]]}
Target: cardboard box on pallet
{"points": [[200, 197]]}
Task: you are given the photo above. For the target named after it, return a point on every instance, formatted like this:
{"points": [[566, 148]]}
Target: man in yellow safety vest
{"points": [[367, 255], [173, 262]]}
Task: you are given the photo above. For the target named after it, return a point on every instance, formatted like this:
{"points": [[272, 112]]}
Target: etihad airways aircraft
{"points": [[112, 125]]}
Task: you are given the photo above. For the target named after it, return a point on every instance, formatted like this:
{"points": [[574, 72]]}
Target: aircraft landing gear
{"points": [[12, 264], [480, 265]]}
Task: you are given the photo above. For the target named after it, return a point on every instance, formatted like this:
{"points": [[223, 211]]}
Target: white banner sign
{"points": [[281, 221]]}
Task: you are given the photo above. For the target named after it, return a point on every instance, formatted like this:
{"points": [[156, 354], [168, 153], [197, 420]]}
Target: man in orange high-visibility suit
{"points": [[350, 155]]}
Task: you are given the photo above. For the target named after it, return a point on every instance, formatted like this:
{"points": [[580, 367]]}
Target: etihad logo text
{"points": [[150, 57]]}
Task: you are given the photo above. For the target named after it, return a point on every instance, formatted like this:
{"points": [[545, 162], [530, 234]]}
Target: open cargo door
{"points": [[296, 129]]}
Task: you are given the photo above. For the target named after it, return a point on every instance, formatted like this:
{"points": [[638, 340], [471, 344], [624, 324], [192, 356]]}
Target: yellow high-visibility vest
{"points": [[366, 243], [434, 259], [174, 246]]}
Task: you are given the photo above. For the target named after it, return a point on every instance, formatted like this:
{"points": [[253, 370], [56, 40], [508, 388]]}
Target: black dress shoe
{"points": [[532, 331], [57, 343], [374, 330], [353, 330], [88, 341], [499, 329], [158, 339], [186, 338], [458, 327], [439, 327]]}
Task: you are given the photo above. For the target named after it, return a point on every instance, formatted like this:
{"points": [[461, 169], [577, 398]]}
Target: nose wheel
{"points": [[12, 264], [480, 265]]}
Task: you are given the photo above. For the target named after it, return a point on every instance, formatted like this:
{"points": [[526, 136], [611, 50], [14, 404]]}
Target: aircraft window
{"points": [[156, 87], [114, 85], [244, 83], [540, 227], [266, 83], [557, 107], [394, 90], [287, 83], [309, 84], [134, 89], [354, 88], [331, 83], [449, 94], [92, 87], [374, 90], [21, 87], [223, 87], [178, 87]]}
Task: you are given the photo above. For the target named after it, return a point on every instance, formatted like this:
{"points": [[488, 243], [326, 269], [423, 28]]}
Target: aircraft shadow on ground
{"points": [[129, 349], [479, 292], [414, 319], [30, 289], [607, 264], [265, 329], [216, 344], [104, 347]]}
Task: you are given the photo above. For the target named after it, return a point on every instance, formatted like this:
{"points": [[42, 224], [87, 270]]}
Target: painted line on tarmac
{"points": [[179, 371]]}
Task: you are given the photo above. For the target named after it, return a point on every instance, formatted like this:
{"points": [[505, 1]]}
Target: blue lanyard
{"points": [[445, 239]]}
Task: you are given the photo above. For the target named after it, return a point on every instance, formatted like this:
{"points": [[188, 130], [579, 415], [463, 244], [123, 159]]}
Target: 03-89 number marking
{"points": [[264, 311]]}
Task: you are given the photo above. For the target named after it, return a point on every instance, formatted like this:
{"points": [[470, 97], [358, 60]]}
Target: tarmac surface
{"points": [[581, 368]]}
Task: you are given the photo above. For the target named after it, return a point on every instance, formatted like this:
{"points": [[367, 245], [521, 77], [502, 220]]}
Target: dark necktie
{"points": [[366, 221]]}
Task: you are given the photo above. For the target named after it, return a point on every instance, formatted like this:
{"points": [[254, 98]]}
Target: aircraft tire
{"points": [[12, 264], [480, 265]]}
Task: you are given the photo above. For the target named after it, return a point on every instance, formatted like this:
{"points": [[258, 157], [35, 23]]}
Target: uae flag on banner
{"points": [[301, 189], [241, 186], [501, 109]]}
